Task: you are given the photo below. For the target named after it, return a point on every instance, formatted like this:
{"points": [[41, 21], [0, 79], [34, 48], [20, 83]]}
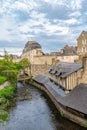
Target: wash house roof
{"points": [[63, 69], [77, 99]]}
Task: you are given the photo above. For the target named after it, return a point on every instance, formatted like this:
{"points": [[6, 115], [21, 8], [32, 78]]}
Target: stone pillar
{"points": [[67, 83], [72, 86], [72, 80]]}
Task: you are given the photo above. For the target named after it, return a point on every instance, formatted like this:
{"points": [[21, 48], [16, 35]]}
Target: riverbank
{"points": [[43, 83], [36, 113], [9, 71], [6, 98]]}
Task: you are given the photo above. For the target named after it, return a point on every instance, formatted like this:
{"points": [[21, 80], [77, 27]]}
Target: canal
{"points": [[33, 111]]}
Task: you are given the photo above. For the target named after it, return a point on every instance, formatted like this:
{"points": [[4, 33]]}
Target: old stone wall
{"points": [[45, 59], [69, 58], [39, 69], [56, 99], [48, 59]]}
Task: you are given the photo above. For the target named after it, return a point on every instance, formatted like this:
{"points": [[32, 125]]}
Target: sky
{"points": [[52, 23]]}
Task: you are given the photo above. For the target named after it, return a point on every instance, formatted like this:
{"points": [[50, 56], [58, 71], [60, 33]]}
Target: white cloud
{"points": [[73, 4], [20, 6], [14, 51], [72, 21], [39, 22], [56, 29], [26, 5], [76, 4], [75, 14]]}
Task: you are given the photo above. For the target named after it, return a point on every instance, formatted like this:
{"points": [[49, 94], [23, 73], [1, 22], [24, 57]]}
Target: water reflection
{"points": [[35, 113]]}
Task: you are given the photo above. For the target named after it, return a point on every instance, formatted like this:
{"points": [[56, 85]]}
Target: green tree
{"points": [[9, 68]]}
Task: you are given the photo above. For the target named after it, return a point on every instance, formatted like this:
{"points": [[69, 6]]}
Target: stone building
{"points": [[31, 49], [34, 53], [69, 50], [82, 44], [69, 75], [68, 58]]}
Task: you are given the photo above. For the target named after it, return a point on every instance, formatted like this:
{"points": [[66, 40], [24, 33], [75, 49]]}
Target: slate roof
{"points": [[30, 45], [42, 79], [84, 33], [77, 99], [63, 69], [69, 50]]}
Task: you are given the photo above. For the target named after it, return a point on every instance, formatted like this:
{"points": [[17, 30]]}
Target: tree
{"points": [[9, 68], [24, 63]]}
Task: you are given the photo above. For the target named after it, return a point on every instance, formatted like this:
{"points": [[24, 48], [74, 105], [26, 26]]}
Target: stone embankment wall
{"points": [[61, 108], [39, 69], [34, 70]]}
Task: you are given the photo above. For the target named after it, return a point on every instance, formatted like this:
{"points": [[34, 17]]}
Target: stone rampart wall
{"points": [[39, 69], [60, 107]]}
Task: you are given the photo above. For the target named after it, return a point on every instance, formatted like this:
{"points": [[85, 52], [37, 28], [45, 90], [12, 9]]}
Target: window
{"points": [[84, 41], [83, 49]]}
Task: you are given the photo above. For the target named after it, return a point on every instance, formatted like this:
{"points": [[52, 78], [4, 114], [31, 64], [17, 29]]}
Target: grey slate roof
{"points": [[83, 32], [77, 99], [69, 50], [42, 79], [30, 45], [63, 69]]}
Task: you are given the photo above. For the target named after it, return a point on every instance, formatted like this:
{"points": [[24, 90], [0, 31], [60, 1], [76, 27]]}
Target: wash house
{"points": [[69, 75]]}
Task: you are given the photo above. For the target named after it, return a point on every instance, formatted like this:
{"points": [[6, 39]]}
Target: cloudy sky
{"points": [[52, 23]]}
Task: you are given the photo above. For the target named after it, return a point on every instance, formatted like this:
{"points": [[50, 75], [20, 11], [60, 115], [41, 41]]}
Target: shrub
{"points": [[2, 79], [3, 115], [8, 92]]}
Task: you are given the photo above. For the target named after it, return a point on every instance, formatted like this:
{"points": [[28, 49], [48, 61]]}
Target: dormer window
{"points": [[84, 41]]}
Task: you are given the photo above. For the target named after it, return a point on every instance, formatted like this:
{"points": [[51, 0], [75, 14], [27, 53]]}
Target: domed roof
{"points": [[30, 45]]}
